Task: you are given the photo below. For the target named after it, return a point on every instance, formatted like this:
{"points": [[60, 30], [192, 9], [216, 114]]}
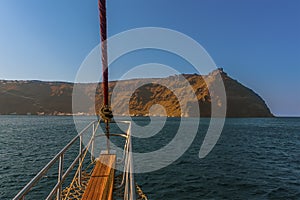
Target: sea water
{"points": [[255, 158]]}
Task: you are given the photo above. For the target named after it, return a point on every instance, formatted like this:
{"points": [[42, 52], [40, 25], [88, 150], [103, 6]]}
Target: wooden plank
{"points": [[91, 182], [100, 186]]}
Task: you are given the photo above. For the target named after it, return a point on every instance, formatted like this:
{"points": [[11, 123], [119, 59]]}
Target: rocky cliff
{"points": [[55, 98]]}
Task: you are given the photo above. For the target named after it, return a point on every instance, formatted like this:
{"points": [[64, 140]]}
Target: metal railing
{"points": [[128, 171], [128, 178]]}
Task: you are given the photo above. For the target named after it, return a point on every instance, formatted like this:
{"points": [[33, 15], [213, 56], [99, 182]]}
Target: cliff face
{"points": [[53, 98], [242, 101]]}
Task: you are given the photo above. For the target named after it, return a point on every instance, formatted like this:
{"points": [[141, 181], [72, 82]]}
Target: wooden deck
{"points": [[100, 186]]}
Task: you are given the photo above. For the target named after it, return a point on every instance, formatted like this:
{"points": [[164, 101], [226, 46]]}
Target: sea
{"points": [[254, 158]]}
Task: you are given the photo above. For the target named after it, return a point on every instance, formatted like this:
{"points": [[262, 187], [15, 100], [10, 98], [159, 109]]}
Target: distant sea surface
{"points": [[257, 158]]}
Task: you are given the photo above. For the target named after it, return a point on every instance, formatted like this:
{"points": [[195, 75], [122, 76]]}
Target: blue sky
{"points": [[256, 41]]}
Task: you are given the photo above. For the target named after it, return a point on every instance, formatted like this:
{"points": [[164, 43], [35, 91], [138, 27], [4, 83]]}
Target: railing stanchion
{"points": [[127, 181], [93, 142], [60, 175], [131, 171], [80, 160]]}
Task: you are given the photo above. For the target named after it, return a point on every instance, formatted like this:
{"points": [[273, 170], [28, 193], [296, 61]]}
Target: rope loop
{"points": [[106, 113]]}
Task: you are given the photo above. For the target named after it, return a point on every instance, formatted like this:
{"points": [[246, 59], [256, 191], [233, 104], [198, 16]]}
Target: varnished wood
{"points": [[101, 183]]}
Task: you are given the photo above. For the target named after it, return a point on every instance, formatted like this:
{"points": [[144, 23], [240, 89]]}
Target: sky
{"points": [[257, 42]]}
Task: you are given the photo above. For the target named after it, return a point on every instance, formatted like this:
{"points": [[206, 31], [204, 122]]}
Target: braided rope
{"points": [[103, 31], [75, 191], [75, 182], [141, 194]]}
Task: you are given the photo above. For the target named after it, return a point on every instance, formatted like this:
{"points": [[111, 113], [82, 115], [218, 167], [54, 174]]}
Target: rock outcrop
{"points": [[55, 98]]}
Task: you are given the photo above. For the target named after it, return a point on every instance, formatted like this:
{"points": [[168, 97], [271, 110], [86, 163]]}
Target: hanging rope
{"points": [[105, 111], [103, 31]]}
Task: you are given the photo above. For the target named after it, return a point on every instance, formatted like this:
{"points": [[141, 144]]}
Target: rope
{"points": [[106, 114], [105, 111], [75, 191], [119, 191], [103, 31], [76, 188], [76, 185], [140, 192]]}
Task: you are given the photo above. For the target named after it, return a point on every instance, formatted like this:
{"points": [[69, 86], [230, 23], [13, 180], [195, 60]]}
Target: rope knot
{"points": [[106, 113]]}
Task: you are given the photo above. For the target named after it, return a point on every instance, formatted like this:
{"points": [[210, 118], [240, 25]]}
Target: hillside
{"points": [[55, 98]]}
